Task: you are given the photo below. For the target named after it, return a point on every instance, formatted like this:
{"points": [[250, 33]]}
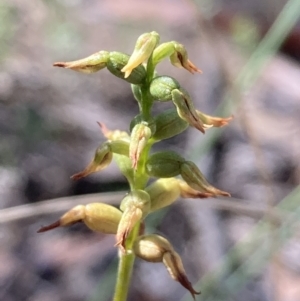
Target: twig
{"points": [[59, 205], [56, 206]]}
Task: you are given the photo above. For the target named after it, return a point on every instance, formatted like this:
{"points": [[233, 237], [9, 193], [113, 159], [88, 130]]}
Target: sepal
{"points": [[162, 51], [121, 140], [168, 124], [186, 110], [165, 88], [143, 49], [113, 134], [195, 179], [135, 206], [210, 121], [180, 59], [138, 119], [177, 54], [117, 61], [90, 64], [102, 158], [161, 87], [120, 147], [97, 216], [155, 248], [165, 164], [140, 136], [187, 192], [163, 193]]}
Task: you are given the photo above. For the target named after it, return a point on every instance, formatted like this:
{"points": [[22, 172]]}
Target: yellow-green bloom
{"points": [[165, 88], [165, 164], [142, 51], [103, 157], [116, 63], [169, 164], [180, 59], [175, 176], [90, 64], [195, 179], [177, 54], [186, 110], [161, 87], [212, 121], [168, 124], [155, 248], [113, 134], [163, 193], [97, 216], [140, 135], [135, 207]]}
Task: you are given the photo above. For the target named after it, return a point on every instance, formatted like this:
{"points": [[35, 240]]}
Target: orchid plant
{"points": [[132, 153]]}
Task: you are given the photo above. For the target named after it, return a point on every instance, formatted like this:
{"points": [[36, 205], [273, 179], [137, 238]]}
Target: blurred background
{"points": [[244, 248]]}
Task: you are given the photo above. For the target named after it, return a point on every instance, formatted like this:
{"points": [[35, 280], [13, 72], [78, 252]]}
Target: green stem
{"points": [[126, 262], [146, 104], [140, 180], [127, 259], [150, 69]]}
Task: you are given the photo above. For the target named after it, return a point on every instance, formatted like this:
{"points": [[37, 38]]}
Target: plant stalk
{"points": [[126, 261]]}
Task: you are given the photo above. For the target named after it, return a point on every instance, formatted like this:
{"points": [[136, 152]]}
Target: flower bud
{"points": [[186, 110], [194, 178], [155, 248], [140, 135], [90, 64], [161, 87], [164, 164], [180, 59], [143, 49], [135, 206], [117, 61], [213, 121], [168, 124], [97, 216], [163, 193], [102, 158]]}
